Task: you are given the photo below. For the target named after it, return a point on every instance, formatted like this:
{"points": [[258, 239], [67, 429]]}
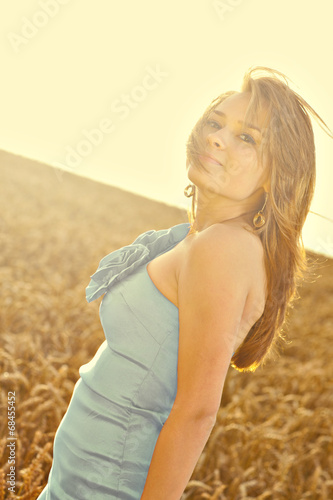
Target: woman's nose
{"points": [[217, 140]]}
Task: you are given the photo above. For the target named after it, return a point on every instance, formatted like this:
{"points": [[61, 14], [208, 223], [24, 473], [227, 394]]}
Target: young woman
{"points": [[182, 304]]}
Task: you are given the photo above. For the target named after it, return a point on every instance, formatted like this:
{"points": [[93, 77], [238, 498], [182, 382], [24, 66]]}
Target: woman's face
{"points": [[230, 162]]}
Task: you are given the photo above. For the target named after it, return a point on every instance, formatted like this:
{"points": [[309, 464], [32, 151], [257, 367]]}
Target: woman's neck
{"points": [[213, 210]]}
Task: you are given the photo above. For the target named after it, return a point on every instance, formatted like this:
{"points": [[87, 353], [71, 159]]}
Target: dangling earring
{"points": [[189, 191], [259, 219]]}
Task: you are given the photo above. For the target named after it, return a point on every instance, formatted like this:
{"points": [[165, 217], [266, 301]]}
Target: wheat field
{"points": [[273, 437]]}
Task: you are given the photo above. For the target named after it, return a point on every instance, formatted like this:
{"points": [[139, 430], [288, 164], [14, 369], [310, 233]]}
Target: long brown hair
{"points": [[289, 150]]}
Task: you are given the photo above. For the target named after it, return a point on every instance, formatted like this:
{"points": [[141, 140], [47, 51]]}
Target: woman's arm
{"points": [[177, 450], [213, 285]]}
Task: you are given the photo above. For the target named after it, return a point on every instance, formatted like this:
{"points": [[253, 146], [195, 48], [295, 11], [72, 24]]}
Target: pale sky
{"points": [[142, 72]]}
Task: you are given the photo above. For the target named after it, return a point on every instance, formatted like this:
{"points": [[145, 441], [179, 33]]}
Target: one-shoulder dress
{"points": [[105, 441]]}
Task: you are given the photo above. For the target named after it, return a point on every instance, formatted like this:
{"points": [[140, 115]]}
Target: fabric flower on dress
{"points": [[122, 262]]}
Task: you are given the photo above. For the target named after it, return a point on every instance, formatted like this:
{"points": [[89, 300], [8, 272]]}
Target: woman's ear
{"points": [[266, 185], [267, 182]]}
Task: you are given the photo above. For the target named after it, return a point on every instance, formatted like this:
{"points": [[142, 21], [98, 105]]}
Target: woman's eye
{"points": [[213, 123], [244, 137], [247, 138]]}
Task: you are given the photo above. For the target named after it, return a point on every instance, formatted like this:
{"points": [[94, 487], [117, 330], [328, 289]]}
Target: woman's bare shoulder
{"points": [[222, 279], [233, 244]]}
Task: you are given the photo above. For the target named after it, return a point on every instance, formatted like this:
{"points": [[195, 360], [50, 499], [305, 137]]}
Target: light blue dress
{"points": [[104, 443]]}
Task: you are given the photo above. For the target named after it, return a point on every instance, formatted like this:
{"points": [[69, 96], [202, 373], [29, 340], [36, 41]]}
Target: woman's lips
{"points": [[209, 159]]}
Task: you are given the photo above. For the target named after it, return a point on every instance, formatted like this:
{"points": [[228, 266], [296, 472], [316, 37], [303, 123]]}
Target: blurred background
{"points": [[96, 94], [111, 90]]}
